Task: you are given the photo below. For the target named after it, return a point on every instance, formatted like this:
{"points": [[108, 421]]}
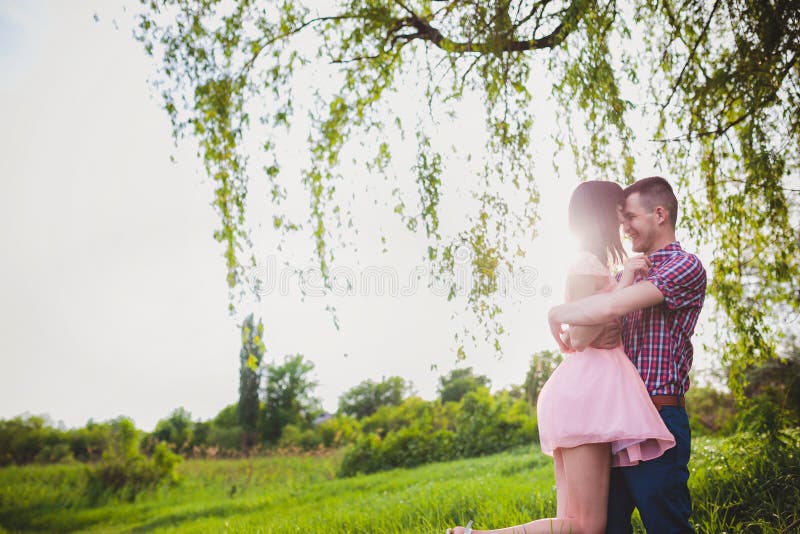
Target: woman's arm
{"points": [[631, 266]]}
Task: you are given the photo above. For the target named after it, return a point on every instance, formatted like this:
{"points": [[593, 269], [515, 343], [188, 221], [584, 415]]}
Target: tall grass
{"points": [[748, 483]]}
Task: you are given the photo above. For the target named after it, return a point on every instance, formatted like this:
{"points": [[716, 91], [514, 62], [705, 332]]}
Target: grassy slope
{"points": [[292, 494]]}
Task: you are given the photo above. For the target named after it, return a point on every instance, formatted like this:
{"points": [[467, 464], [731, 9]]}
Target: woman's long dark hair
{"points": [[593, 218]]}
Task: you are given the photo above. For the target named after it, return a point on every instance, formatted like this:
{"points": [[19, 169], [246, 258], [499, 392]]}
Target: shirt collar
{"points": [[663, 253]]}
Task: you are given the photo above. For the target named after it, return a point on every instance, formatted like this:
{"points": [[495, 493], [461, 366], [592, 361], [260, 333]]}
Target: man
{"points": [[659, 313]]}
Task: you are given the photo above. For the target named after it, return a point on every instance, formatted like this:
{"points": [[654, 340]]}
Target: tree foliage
{"points": [[25, 439], [778, 381], [250, 356], [364, 399], [177, 429], [289, 396], [731, 116], [719, 78], [713, 411], [458, 382], [543, 363]]}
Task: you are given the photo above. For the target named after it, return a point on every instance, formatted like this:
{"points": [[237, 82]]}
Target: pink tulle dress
{"points": [[597, 396]]}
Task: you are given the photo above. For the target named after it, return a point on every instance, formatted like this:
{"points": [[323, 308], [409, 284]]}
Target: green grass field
{"points": [[300, 494], [290, 494]]}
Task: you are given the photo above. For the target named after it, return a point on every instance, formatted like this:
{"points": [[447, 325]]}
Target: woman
{"points": [[594, 412]]}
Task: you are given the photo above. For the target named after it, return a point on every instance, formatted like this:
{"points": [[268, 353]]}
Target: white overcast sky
{"points": [[113, 290]]}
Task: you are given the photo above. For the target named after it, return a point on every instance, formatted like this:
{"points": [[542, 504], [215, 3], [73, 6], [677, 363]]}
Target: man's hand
{"points": [[558, 333], [567, 339], [609, 338]]}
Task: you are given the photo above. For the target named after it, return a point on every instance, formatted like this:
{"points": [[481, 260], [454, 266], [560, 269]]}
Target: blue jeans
{"points": [[658, 488]]}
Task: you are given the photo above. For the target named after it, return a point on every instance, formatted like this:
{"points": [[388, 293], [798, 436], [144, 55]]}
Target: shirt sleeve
{"points": [[682, 281]]}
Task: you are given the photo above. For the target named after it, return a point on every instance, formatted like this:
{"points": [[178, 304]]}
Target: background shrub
{"points": [[418, 432], [710, 411], [339, 431], [124, 471]]}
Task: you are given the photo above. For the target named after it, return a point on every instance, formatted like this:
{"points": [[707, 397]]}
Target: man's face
{"points": [[639, 224]]}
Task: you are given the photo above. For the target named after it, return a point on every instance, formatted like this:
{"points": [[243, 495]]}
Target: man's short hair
{"points": [[655, 191]]}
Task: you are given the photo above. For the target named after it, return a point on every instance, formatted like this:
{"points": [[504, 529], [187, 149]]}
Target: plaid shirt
{"points": [[658, 339]]}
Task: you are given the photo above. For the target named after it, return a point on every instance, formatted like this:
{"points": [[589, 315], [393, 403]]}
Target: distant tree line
{"points": [[383, 422]]}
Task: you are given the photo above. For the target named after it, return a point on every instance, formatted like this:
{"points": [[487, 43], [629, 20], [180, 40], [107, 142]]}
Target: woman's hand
{"points": [[633, 265]]}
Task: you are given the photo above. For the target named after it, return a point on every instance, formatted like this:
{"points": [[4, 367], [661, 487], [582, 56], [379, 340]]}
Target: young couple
{"points": [[612, 414]]}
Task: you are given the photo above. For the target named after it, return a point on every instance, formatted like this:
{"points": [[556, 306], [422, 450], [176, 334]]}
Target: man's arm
{"points": [[578, 337], [604, 307], [607, 338]]}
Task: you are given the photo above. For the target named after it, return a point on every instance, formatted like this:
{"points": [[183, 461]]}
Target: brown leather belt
{"points": [[668, 400]]}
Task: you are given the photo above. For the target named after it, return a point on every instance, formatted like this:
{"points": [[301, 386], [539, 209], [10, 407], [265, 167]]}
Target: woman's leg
{"points": [[583, 482], [588, 468], [562, 495]]}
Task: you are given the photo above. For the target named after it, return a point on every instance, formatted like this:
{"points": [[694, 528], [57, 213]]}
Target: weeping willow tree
{"points": [[719, 81]]}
